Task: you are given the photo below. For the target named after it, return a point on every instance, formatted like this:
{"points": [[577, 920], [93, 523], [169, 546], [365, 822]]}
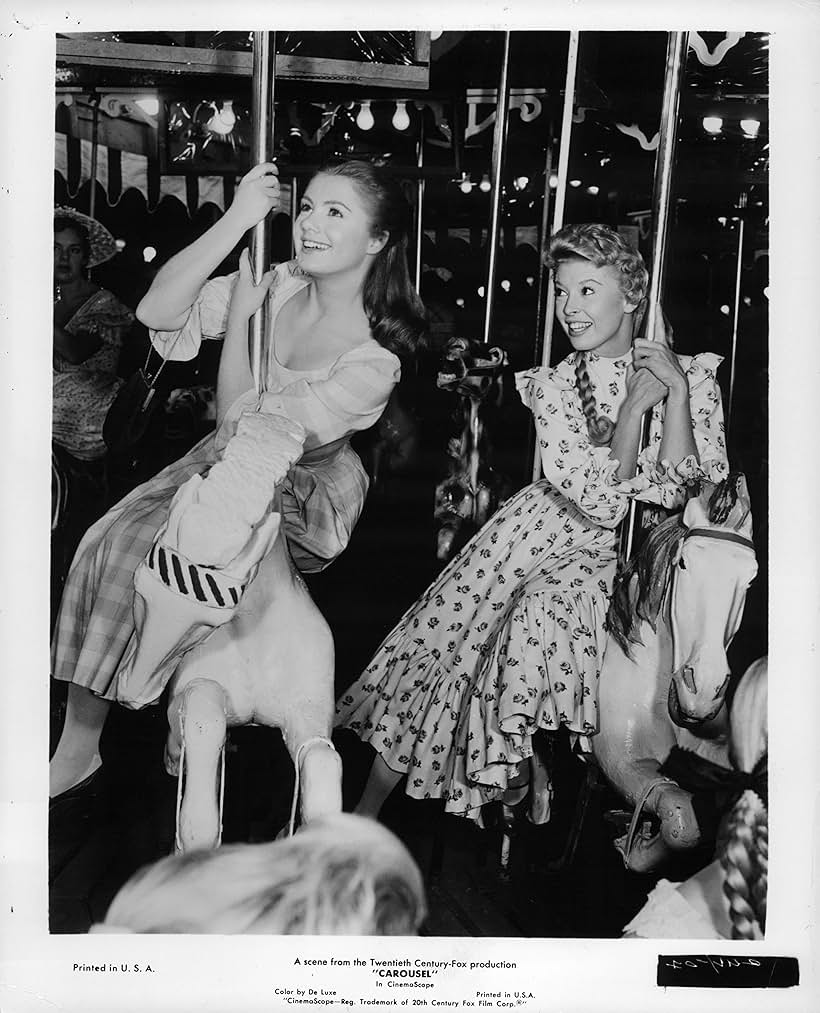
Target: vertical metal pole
{"points": [[294, 211], [558, 209], [735, 322], [419, 203], [543, 246], [262, 112], [499, 143], [661, 200], [95, 144]]}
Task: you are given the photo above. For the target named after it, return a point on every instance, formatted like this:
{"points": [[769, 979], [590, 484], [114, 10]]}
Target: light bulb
{"points": [[724, 309], [148, 254], [485, 185], [365, 121], [480, 291], [460, 303], [712, 124], [401, 119], [520, 182], [505, 285], [466, 184], [120, 244], [593, 190], [750, 127], [553, 182], [575, 182]]}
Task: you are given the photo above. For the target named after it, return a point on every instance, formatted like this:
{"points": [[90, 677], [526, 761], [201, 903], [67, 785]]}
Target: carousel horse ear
{"points": [[696, 511], [724, 505]]}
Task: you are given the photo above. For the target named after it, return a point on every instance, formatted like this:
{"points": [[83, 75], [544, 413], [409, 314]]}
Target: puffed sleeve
{"points": [[350, 398], [664, 483], [584, 473], [207, 319]]}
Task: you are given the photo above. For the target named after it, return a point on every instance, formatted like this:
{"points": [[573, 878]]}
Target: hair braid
{"points": [[599, 427], [745, 866]]}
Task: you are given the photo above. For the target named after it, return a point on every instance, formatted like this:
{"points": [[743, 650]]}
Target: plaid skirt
{"points": [[322, 499]]}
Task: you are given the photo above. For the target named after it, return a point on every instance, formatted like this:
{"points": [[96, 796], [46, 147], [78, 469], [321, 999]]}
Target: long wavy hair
{"points": [[603, 247], [398, 319], [341, 875]]}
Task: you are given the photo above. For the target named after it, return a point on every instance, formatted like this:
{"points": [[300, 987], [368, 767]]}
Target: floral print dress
{"points": [[509, 638]]}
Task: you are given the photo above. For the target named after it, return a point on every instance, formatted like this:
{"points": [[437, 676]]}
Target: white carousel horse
{"points": [[267, 659], [665, 672]]}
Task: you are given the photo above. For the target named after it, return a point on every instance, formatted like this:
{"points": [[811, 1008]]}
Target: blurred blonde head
{"points": [[341, 875]]}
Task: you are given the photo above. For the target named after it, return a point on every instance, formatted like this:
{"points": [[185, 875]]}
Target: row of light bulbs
{"points": [[714, 125], [366, 121]]}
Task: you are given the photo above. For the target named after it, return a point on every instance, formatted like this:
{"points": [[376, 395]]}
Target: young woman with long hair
{"points": [[342, 316]]}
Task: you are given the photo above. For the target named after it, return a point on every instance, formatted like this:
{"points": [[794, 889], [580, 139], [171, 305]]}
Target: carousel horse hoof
{"points": [[646, 852], [540, 805], [679, 825]]}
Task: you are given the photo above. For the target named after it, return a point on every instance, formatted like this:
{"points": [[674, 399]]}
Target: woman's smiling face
{"points": [[333, 232], [592, 308]]}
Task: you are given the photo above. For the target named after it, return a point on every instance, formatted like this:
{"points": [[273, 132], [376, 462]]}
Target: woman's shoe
{"points": [[84, 790]]}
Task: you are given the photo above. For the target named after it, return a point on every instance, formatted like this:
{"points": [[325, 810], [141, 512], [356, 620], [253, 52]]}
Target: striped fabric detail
{"points": [[206, 585]]}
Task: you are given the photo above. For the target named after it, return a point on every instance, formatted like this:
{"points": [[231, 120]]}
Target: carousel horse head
{"points": [[470, 368], [692, 573]]}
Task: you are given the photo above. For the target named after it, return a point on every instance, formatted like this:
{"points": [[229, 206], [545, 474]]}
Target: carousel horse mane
{"points": [[643, 582], [641, 586]]}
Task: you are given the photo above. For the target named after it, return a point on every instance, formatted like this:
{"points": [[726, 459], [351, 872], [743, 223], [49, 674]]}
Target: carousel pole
{"points": [[558, 209], [262, 113], [661, 199], [95, 145], [735, 322], [419, 203], [502, 116]]}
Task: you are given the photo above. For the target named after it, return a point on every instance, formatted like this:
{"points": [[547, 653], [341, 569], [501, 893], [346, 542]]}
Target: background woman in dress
{"points": [[90, 328], [509, 638], [342, 315]]}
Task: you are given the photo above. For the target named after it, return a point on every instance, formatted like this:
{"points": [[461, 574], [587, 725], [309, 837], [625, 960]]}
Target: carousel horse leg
{"points": [[196, 751], [541, 790], [318, 779], [380, 783], [77, 756]]}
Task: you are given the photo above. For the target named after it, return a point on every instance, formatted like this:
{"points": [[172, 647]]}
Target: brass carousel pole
{"points": [[502, 116], [735, 322], [558, 209], [264, 57], [661, 199]]}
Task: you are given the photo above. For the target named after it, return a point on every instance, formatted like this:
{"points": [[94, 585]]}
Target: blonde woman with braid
{"points": [[509, 639], [727, 899]]}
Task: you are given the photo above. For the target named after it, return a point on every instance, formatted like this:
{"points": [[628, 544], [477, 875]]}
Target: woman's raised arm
{"points": [[167, 303]]}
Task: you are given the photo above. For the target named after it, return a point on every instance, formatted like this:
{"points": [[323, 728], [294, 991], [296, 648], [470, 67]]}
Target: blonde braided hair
{"points": [[599, 427], [745, 864], [744, 850], [603, 247]]}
